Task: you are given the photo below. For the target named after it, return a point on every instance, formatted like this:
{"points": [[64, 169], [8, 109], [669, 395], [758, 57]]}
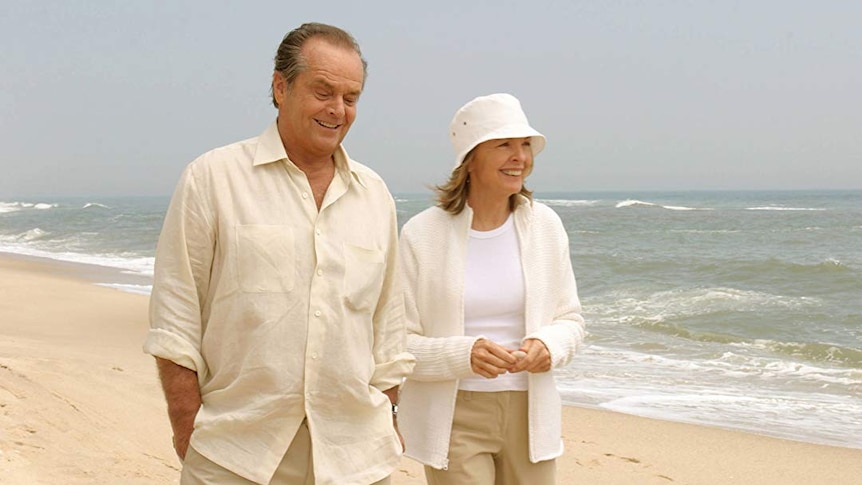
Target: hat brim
{"points": [[537, 142]]}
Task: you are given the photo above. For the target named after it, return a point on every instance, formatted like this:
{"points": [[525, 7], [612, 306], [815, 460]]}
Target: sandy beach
{"points": [[80, 404]]}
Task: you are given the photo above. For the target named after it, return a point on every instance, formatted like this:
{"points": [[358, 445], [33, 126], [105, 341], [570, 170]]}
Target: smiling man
{"points": [[276, 321]]}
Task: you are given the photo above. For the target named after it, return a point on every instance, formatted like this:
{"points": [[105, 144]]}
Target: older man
{"points": [[277, 324]]}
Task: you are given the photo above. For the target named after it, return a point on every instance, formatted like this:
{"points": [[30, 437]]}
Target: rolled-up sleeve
{"points": [[181, 280]]}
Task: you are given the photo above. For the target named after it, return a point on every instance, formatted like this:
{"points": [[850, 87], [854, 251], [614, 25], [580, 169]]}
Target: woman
{"points": [[492, 307]]}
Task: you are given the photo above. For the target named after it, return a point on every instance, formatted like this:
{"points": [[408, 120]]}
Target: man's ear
{"points": [[278, 85]]}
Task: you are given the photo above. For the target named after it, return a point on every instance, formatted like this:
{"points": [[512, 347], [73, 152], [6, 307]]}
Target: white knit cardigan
{"points": [[433, 250]]}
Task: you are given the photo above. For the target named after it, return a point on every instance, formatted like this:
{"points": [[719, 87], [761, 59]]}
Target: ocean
{"points": [[740, 310]]}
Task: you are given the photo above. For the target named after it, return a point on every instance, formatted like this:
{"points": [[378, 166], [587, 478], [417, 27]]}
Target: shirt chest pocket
{"points": [[265, 258], [363, 277]]}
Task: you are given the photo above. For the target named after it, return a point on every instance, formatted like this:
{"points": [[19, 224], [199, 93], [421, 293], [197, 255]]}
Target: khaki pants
{"points": [[490, 443], [295, 468]]}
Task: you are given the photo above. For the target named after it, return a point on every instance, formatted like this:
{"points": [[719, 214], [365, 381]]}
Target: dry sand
{"points": [[80, 404]]}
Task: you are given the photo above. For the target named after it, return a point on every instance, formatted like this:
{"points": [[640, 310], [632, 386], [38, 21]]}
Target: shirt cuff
{"points": [[166, 345], [390, 374], [562, 340]]}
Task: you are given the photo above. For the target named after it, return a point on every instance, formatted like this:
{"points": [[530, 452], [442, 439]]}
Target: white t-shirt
{"points": [[494, 299]]}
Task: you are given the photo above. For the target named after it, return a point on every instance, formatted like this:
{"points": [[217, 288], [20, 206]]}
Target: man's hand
{"points": [[392, 394], [489, 359], [537, 358], [395, 425], [181, 443], [184, 400]]}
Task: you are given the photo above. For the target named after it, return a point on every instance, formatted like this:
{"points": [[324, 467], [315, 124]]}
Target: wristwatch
{"points": [[395, 410]]}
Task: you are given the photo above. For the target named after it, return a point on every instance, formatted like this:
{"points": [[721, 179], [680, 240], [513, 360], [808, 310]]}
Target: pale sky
{"points": [[116, 97]]}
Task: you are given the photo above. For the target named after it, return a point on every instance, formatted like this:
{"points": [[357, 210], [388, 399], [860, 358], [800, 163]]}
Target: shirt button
{"points": [[317, 313], [317, 231], [305, 195], [314, 355], [320, 272]]}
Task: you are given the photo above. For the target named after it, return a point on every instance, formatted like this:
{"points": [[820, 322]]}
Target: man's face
{"points": [[316, 111]]}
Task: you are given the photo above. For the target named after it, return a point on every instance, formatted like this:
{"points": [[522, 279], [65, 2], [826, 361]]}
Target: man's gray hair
{"points": [[289, 61]]}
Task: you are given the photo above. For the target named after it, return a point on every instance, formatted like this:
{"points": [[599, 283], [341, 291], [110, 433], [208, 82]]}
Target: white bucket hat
{"points": [[491, 117]]}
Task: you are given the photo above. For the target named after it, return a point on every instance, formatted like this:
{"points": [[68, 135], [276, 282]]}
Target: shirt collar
{"points": [[270, 149], [523, 213]]}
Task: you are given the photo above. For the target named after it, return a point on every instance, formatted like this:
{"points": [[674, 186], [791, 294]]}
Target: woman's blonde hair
{"points": [[452, 195]]}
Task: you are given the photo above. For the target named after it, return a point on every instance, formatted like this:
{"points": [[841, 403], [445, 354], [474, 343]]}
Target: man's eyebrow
{"points": [[322, 83]]}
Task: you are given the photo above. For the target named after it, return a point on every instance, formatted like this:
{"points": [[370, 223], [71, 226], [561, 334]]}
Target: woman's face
{"points": [[499, 167]]}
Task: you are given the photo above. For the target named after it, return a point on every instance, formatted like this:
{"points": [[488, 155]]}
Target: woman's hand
{"points": [[538, 359], [489, 359]]}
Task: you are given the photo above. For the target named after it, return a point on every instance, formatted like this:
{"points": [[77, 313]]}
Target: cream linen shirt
{"points": [[285, 312]]}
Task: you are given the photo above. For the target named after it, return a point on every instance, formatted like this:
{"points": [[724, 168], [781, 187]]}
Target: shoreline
{"points": [[91, 272], [141, 284], [80, 403]]}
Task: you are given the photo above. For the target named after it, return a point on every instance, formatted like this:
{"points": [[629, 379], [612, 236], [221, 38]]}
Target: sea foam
{"points": [[640, 203]]}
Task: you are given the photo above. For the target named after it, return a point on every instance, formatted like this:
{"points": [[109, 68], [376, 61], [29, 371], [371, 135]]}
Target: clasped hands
{"points": [[490, 359]]}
